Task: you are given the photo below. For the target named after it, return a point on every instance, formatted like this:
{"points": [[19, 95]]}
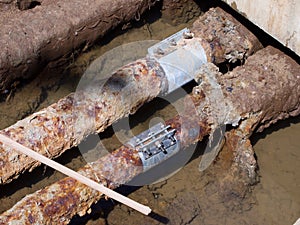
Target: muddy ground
{"points": [[188, 197]]}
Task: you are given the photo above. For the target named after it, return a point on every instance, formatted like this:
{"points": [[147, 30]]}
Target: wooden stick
{"points": [[71, 173]]}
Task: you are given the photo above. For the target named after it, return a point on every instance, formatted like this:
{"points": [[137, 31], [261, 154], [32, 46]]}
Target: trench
{"points": [[188, 197]]}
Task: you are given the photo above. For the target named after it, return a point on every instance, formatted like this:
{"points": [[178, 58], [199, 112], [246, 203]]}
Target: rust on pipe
{"points": [[267, 88], [77, 176], [66, 123], [226, 39], [259, 93], [59, 202], [51, 131], [65, 198]]}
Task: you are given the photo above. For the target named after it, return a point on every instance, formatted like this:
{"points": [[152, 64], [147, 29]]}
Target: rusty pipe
{"points": [[59, 202], [51, 131], [279, 74]]}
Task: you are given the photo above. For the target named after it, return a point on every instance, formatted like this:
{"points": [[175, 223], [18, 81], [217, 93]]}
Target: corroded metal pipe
{"points": [[59, 202], [254, 96], [257, 95], [66, 123], [54, 129]]}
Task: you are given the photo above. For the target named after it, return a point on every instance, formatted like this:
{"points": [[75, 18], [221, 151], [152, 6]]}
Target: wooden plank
{"points": [[77, 176]]}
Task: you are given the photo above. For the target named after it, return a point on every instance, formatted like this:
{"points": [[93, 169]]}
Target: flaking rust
{"points": [[226, 39], [66, 123], [270, 91], [261, 92], [60, 201]]}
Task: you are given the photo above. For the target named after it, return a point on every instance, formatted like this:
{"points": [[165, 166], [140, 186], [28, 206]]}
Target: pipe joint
{"points": [[155, 145], [181, 56]]}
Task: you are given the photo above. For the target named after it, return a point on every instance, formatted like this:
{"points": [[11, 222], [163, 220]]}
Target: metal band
{"points": [[155, 145], [181, 56]]}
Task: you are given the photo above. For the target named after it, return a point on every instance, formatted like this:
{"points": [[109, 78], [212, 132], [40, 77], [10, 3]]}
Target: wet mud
{"points": [[189, 196]]}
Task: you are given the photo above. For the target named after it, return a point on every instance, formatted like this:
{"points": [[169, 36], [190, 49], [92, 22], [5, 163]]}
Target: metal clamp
{"points": [[180, 56], [155, 145]]}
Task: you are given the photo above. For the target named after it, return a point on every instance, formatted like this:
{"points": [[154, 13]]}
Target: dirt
{"points": [[33, 38], [55, 82], [188, 197], [277, 150], [191, 197]]}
